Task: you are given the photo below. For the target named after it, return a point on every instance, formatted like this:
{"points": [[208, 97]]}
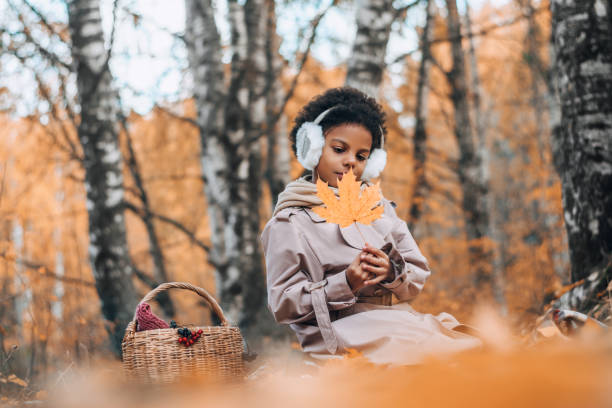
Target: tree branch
{"points": [[45, 271], [276, 116], [401, 11], [140, 213], [478, 33], [185, 119], [43, 20], [50, 56]]}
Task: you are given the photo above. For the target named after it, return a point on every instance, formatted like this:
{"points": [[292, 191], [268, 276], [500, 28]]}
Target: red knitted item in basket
{"points": [[146, 320]]}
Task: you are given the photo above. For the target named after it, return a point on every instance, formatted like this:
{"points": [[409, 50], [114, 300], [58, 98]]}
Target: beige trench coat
{"points": [[306, 261]]}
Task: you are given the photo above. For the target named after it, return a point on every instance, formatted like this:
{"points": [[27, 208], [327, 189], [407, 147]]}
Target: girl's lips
{"points": [[339, 175]]}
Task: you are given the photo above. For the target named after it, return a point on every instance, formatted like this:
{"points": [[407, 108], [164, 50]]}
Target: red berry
{"points": [[200, 331], [190, 342]]}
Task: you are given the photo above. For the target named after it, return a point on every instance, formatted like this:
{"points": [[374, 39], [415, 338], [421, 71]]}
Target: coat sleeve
{"points": [[409, 265], [289, 281]]}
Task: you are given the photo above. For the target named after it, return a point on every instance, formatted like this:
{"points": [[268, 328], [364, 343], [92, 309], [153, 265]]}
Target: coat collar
{"points": [[314, 217], [355, 233]]}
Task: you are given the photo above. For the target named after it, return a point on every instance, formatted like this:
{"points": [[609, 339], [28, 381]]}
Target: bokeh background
{"points": [[144, 141]]}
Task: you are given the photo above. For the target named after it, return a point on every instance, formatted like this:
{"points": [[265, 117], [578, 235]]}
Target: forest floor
{"points": [[545, 369]]}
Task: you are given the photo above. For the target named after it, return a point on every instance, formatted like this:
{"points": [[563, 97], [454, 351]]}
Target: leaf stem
{"points": [[362, 237]]}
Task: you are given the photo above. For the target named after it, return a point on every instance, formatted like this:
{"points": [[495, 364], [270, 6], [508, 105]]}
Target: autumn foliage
{"points": [[49, 307]]}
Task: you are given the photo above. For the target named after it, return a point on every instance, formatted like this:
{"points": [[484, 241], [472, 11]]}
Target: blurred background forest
{"points": [[146, 141]]}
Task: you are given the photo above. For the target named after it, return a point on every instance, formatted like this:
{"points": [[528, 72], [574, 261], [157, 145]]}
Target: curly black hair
{"points": [[351, 106]]}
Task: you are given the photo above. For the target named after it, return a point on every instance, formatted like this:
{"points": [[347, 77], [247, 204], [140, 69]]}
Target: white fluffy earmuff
{"points": [[375, 164], [309, 142]]}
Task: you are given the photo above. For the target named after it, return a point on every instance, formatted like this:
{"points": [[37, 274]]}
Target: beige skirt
{"points": [[399, 335]]}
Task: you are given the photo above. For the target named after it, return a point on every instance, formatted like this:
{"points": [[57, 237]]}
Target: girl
{"points": [[334, 291]]}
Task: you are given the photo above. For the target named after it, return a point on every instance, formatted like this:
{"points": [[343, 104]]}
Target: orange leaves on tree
{"points": [[353, 204]]}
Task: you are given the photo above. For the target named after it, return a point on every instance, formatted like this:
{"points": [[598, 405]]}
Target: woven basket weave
{"points": [[156, 357]]}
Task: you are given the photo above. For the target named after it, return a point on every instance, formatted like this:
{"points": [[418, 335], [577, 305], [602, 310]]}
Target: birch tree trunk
{"points": [[367, 62], [98, 134], [419, 158], [582, 33], [470, 172], [231, 121]]}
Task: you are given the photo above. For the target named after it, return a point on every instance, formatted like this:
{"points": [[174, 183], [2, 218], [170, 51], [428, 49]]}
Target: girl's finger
{"points": [[375, 269], [375, 251], [377, 263], [374, 281], [374, 260], [363, 274]]}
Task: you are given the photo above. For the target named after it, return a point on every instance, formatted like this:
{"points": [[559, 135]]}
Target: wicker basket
{"points": [[156, 357]]}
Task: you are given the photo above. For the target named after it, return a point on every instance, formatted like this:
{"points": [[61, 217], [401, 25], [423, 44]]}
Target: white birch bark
{"points": [[98, 135], [204, 47], [231, 121], [278, 157], [366, 64], [57, 305], [23, 297], [583, 67]]}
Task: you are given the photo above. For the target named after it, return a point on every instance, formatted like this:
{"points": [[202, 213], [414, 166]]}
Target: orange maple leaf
{"points": [[353, 205]]}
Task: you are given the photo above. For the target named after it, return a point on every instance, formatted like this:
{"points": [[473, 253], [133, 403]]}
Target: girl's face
{"points": [[346, 146]]}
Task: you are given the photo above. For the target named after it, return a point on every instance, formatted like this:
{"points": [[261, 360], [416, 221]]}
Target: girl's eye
{"points": [[361, 158], [338, 149]]}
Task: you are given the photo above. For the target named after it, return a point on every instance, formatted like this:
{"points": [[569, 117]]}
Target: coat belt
{"points": [[386, 299], [319, 303]]}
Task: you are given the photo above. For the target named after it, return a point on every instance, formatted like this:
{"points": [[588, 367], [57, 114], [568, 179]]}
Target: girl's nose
{"points": [[350, 161]]}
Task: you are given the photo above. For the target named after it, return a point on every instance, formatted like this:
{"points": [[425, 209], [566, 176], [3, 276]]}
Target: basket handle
{"points": [[184, 285]]}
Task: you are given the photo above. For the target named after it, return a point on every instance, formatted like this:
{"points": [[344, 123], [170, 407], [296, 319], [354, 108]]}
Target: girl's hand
{"points": [[355, 275], [375, 262], [368, 268]]}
